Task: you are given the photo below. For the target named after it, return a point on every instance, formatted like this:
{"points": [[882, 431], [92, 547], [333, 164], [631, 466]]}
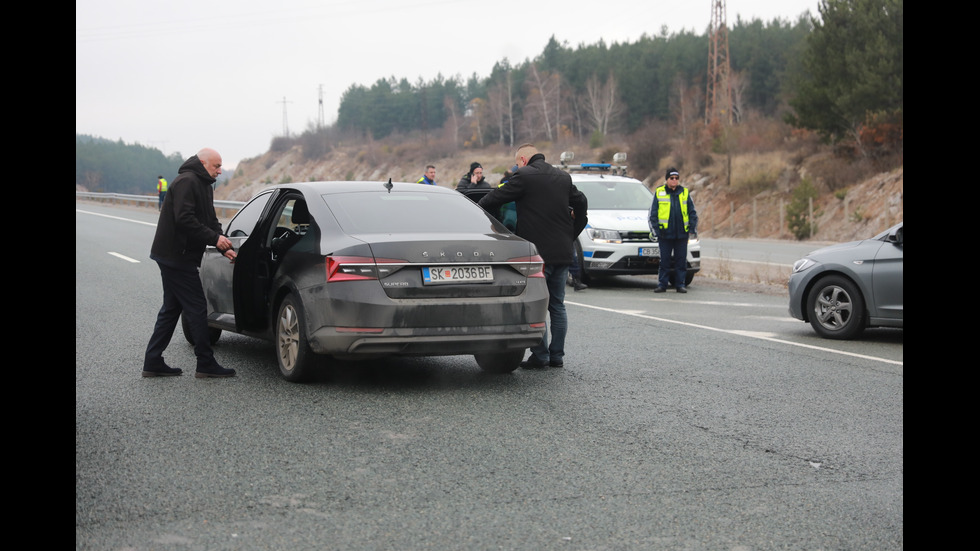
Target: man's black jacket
{"points": [[187, 221], [544, 195]]}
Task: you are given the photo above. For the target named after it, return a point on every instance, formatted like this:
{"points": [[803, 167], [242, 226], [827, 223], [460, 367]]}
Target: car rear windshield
{"points": [[374, 212], [606, 194]]}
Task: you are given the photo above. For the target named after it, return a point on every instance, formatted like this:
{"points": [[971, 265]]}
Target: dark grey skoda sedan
{"points": [[358, 270]]}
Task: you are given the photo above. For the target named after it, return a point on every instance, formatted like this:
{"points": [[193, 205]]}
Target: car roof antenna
{"points": [[388, 185]]}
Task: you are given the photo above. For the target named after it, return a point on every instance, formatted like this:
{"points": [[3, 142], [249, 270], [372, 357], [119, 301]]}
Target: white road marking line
{"points": [[124, 257], [115, 217], [117, 255], [760, 262], [760, 336]]}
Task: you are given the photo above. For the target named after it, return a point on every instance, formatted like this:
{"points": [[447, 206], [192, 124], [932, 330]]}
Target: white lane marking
{"points": [[714, 302], [756, 334], [117, 255], [124, 257], [760, 262], [115, 217], [751, 335]]}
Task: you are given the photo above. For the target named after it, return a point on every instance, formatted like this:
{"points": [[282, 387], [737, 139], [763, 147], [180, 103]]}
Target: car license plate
{"points": [[456, 274], [650, 251]]}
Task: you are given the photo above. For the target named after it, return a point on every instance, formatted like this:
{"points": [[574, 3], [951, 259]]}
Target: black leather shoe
{"points": [[214, 370], [162, 370], [556, 363], [682, 289], [533, 363], [660, 290]]}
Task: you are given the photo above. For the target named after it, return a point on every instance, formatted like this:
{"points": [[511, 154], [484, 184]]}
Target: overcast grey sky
{"points": [[179, 75]]}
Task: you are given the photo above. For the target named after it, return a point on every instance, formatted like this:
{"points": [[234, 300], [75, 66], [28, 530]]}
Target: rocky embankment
{"points": [[858, 211]]}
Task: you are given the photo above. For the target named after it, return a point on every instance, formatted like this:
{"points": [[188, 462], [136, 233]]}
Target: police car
{"points": [[617, 240]]}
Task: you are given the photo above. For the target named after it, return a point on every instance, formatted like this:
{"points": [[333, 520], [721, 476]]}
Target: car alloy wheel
{"points": [[836, 308], [293, 350]]}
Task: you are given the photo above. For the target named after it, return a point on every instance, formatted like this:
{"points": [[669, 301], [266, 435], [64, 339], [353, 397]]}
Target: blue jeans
{"points": [[673, 262], [556, 277]]}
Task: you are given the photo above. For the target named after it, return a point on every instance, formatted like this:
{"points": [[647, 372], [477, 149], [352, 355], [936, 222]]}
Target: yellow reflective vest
{"points": [[162, 185], [663, 207]]}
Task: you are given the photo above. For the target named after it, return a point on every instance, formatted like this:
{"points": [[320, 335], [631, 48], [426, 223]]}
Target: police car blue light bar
{"points": [[618, 167]]}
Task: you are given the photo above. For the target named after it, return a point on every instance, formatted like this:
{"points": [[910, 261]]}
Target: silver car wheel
{"points": [[836, 308], [833, 307], [294, 355], [288, 337]]}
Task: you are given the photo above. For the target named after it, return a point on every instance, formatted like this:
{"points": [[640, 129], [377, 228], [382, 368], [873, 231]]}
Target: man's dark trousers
{"points": [[673, 262], [182, 293]]}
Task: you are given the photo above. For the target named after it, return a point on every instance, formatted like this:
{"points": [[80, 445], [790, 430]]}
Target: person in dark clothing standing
{"points": [[544, 194], [473, 179], [673, 220], [186, 226]]}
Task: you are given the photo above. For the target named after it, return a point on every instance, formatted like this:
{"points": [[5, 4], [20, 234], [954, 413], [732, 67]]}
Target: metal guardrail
{"points": [[224, 208]]}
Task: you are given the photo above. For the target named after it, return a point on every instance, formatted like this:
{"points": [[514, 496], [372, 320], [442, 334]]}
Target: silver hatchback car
{"points": [[843, 289]]}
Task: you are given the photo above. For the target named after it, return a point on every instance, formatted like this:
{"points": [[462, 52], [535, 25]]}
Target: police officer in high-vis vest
{"points": [[161, 190], [673, 219]]}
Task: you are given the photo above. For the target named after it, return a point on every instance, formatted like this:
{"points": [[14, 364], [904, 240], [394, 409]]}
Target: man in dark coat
{"points": [[544, 196], [473, 179], [186, 226]]}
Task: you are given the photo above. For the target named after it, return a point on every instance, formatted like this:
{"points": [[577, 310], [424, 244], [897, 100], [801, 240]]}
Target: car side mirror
{"points": [[896, 236]]}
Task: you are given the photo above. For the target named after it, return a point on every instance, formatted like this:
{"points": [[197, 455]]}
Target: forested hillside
{"points": [[106, 166], [576, 92], [815, 112]]}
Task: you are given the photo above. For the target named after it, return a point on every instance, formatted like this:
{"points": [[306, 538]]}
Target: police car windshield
{"points": [[606, 194]]}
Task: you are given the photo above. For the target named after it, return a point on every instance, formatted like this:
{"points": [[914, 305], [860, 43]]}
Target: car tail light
{"points": [[355, 268], [530, 266]]}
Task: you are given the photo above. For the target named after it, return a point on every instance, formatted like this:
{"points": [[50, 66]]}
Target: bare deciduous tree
{"points": [[501, 108], [543, 99], [738, 83], [453, 121], [475, 114], [602, 103], [688, 110]]}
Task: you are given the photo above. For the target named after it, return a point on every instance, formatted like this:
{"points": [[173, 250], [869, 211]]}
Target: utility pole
{"points": [[319, 120], [285, 121], [718, 100]]}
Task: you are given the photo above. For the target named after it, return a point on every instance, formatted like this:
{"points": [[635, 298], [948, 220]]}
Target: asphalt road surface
{"points": [[705, 421]]}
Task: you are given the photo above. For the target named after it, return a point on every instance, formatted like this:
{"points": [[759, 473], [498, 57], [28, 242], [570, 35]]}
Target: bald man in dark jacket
{"points": [[187, 225], [551, 212]]}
